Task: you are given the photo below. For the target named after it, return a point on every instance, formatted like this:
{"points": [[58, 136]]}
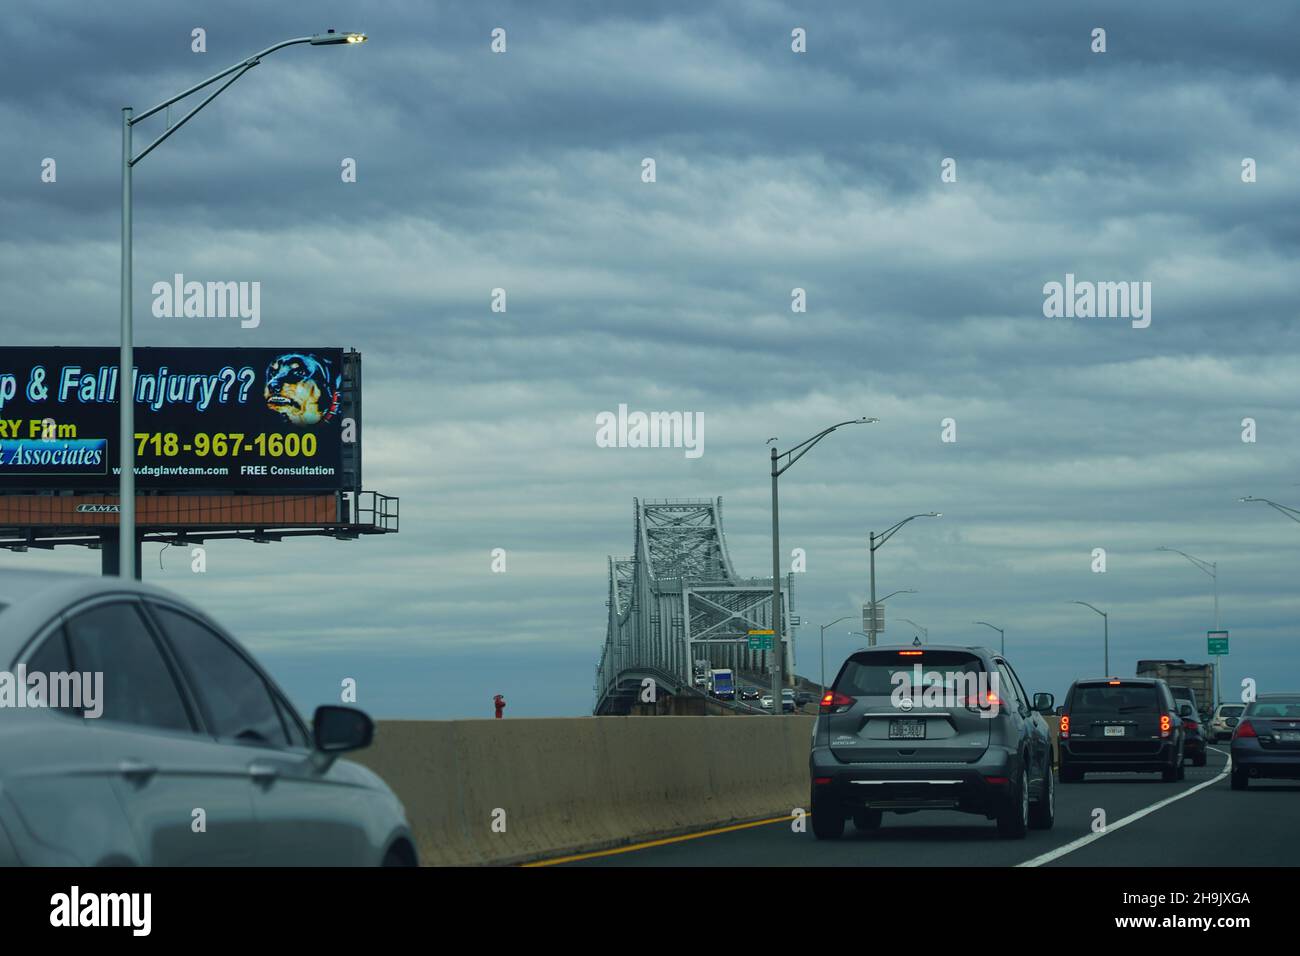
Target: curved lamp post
{"points": [[876, 542], [778, 469], [1292, 513], [128, 564], [1212, 569], [1001, 632], [1105, 618]]}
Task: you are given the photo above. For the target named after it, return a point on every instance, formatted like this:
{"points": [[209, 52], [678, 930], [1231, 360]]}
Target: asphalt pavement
{"points": [[1198, 821]]}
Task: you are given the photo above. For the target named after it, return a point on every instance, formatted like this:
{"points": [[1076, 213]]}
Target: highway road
{"points": [[1204, 824]]}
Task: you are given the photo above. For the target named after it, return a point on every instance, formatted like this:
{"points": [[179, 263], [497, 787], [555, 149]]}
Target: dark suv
{"points": [[1120, 724], [939, 727]]}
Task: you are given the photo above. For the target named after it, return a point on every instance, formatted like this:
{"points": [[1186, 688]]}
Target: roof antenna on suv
{"points": [[916, 641]]}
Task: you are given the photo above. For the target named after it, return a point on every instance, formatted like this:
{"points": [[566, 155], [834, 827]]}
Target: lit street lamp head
{"points": [[329, 38]]}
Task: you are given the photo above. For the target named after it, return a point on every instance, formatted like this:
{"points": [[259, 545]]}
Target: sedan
{"points": [[749, 693], [1266, 742], [1224, 720], [766, 702], [157, 740]]}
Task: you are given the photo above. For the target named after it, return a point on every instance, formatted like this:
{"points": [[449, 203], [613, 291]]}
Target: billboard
{"points": [[238, 419]]}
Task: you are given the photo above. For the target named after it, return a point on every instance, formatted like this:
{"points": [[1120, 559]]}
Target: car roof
{"points": [[1126, 680], [34, 598], [973, 648]]}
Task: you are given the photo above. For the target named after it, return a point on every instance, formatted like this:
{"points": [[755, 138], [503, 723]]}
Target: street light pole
{"points": [[1105, 621], [838, 620], [128, 547], [1292, 513], [126, 554], [823, 639], [1212, 569], [875, 542], [794, 454], [1001, 633], [925, 633]]}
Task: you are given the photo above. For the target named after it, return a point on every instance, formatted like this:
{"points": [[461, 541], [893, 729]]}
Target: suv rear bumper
{"points": [[1097, 756], [978, 787]]}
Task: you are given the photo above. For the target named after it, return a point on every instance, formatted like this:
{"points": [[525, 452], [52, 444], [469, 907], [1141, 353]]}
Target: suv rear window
{"points": [[1107, 698], [873, 673]]}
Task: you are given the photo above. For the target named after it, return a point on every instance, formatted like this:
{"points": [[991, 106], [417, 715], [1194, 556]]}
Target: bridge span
{"points": [[678, 599]]}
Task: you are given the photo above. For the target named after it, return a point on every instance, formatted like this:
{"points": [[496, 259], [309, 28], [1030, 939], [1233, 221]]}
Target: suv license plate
{"points": [[907, 730], [1114, 731], [1289, 736]]}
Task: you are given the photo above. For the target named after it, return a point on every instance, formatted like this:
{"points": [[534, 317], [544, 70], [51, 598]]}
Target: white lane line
{"points": [[1061, 851]]}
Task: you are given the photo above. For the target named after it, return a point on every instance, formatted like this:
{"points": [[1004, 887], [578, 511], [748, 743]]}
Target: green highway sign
{"points": [[1217, 642], [761, 640]]}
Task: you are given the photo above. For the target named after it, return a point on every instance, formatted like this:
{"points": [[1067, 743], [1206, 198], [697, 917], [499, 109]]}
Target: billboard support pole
{"points": [[127, 544]]}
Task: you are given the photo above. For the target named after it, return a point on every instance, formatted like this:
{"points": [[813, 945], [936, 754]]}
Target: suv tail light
{"points": [[1166, 725], [1065, 725], [990, 700], [1244, 729], [833, 702]]}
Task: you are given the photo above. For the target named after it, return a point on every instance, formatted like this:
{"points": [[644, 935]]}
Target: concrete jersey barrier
{"points": [[505, 791]]}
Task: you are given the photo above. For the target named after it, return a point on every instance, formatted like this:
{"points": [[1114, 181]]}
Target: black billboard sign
{"points": [[242, 419]]}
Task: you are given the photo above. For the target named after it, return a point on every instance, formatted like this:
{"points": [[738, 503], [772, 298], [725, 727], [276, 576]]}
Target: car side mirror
{"points": [[336, 730], [1185, 710], [1043, 703]]}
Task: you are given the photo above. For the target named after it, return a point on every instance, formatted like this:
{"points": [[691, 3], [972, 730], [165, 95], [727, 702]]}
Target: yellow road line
{"points": [[664, 842]]}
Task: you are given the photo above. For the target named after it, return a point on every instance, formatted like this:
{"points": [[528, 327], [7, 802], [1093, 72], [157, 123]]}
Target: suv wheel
{"points": [[1170, 774], [1013, 818], [1199, 761], [867, 820], [1069, 774], [1043, 813], [827, 819]]}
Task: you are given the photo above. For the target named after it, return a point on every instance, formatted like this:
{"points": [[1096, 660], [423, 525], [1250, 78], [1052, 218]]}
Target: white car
{"points": [[766, 702], [1224, 721], [161, 720]]}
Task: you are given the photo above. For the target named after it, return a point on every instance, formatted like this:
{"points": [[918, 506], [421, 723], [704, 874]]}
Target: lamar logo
{"points": [[97, 509]]}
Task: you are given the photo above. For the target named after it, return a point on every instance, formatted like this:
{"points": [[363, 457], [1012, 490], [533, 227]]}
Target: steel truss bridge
{"points": [[678, 599]]}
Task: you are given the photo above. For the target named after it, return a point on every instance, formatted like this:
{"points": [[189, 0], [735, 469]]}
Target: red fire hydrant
{"points": [[500, 703]]}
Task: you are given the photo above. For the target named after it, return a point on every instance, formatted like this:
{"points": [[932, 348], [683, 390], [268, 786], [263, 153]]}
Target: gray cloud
{"points": [[775, 171]]}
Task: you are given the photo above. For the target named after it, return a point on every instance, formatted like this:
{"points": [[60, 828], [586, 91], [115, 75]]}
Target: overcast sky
{"points": [[775, 170]]}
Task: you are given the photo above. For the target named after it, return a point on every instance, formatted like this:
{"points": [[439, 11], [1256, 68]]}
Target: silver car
{"points": [[1225, 720], [158, 741]]}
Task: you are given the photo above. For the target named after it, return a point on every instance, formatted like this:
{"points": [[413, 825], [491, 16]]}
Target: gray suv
{"points": [[938, 727]]}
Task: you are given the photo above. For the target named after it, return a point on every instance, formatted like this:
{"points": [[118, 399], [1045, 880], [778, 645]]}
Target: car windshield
{"points": [[1110, 698], [1232, 710], [1283, 707], [878, 673]]}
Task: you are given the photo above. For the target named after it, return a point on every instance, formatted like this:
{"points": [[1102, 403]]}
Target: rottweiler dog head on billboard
{"points": [[302, 388]]}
